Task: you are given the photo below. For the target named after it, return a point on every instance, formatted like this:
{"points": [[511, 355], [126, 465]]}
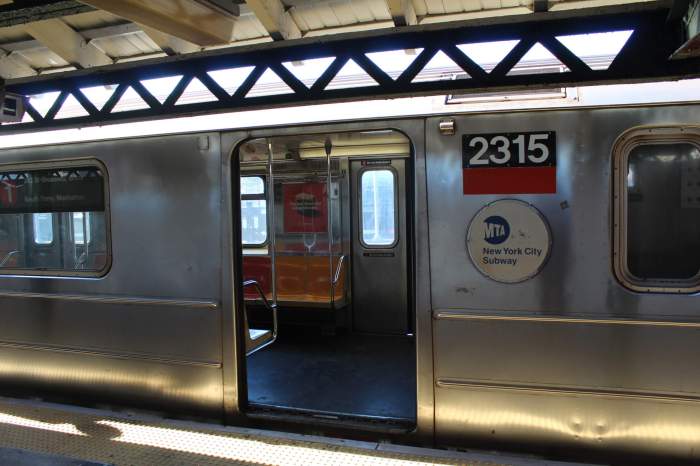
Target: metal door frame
{"points": [[234, 369]]}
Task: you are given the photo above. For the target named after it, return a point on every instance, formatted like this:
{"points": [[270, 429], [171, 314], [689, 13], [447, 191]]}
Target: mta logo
{"points": [[496, 229]]}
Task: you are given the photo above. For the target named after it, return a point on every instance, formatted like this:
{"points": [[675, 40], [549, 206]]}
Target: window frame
{"points": [[59, 164], [255, 197], [360, 221], [623, 146]]}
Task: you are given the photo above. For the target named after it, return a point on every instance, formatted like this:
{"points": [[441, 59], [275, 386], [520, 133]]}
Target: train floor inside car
{"points": [[354, 374]]}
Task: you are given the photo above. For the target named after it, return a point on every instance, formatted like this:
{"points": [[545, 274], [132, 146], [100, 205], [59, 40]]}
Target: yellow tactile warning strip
{"points": [[113, 438]]}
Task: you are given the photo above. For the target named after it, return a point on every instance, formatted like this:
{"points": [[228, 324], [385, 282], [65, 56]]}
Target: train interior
{"points": [[326, 275]]}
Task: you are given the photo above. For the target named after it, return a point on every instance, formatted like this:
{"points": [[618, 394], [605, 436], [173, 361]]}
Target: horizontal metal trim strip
{"points": [[108, 354], [462, 315], [544, 389], [109, 299]]}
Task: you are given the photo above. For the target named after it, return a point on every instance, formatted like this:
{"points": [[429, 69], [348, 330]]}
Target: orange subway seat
{"points": [[299, 278]]}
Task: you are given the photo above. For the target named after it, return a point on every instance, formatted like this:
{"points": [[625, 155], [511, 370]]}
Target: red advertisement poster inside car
{"points": [[305, 208]]}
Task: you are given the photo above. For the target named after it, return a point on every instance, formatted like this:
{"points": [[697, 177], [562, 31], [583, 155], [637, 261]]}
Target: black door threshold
{"points": [[390, 425]]}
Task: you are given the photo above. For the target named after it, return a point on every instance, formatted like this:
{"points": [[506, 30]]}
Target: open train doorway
{"points": [[328, 315]]}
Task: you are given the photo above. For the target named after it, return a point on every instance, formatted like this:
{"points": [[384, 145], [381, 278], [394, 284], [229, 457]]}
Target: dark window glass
{"points": [[53, 220], [663, 211]]}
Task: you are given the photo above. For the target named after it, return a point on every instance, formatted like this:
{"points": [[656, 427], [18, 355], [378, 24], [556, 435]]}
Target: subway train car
{"points": [[524, 279]]}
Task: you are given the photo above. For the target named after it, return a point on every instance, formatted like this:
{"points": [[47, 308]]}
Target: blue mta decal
{"points": [[496, 229]]}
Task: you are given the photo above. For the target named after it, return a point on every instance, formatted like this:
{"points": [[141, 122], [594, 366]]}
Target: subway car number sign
{"points": [[509, 163]]}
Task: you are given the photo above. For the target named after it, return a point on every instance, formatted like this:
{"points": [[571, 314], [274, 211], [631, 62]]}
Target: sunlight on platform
{"points": [[79, 433]]}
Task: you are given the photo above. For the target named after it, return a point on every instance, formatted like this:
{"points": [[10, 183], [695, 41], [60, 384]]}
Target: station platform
{"points": [[37, 433]]}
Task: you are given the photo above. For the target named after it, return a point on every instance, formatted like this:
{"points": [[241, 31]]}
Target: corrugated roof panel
{"points": [[329, 18], [126, 45], [310, 16], [435, 7], [472, 5], [362, 13], [91, 20], [315, 16], [491, 4], [452, 6], [514, 3], [346, 13], [247, 27], [420, 7], [41, 58], [299, 20], [11, 72], [379, 9]]}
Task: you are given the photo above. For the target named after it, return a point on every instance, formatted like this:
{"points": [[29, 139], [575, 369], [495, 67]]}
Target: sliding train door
{"points": [[379, 245]]}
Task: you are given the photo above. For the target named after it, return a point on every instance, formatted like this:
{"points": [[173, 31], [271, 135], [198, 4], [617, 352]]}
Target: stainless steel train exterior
{"points": [[570, 358]]}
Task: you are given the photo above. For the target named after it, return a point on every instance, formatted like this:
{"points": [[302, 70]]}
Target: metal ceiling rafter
{"points": [[644, 57]]}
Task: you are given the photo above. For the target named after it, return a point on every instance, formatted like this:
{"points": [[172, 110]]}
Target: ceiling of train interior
{"points": [[108, 60], [348, 144]]}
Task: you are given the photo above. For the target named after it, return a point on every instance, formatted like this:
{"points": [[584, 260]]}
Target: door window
{"points": [[253, 211], [378, 215]]}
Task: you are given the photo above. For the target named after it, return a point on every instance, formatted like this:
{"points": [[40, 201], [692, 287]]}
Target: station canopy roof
{"points": [[40, 37]]}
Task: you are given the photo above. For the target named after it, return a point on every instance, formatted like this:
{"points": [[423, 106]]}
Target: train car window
{"points": [[378, 216], [43, 228], [253, 211], [53, 220], [251, 185], [81, 227], [660, 215]]}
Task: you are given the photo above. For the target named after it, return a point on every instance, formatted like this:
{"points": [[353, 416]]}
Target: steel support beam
{"points": [[645, 57], [275, 19], [194, 21]]}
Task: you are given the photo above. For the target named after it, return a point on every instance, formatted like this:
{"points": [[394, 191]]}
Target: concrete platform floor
{"points": [[56, 434]]}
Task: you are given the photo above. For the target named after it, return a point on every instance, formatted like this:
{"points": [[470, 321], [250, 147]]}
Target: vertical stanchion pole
{"points": [[271, 221], [328, 146], [86, 245]]}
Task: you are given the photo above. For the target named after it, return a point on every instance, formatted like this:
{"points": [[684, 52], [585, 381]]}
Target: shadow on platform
{"points": [[78, 434]]}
